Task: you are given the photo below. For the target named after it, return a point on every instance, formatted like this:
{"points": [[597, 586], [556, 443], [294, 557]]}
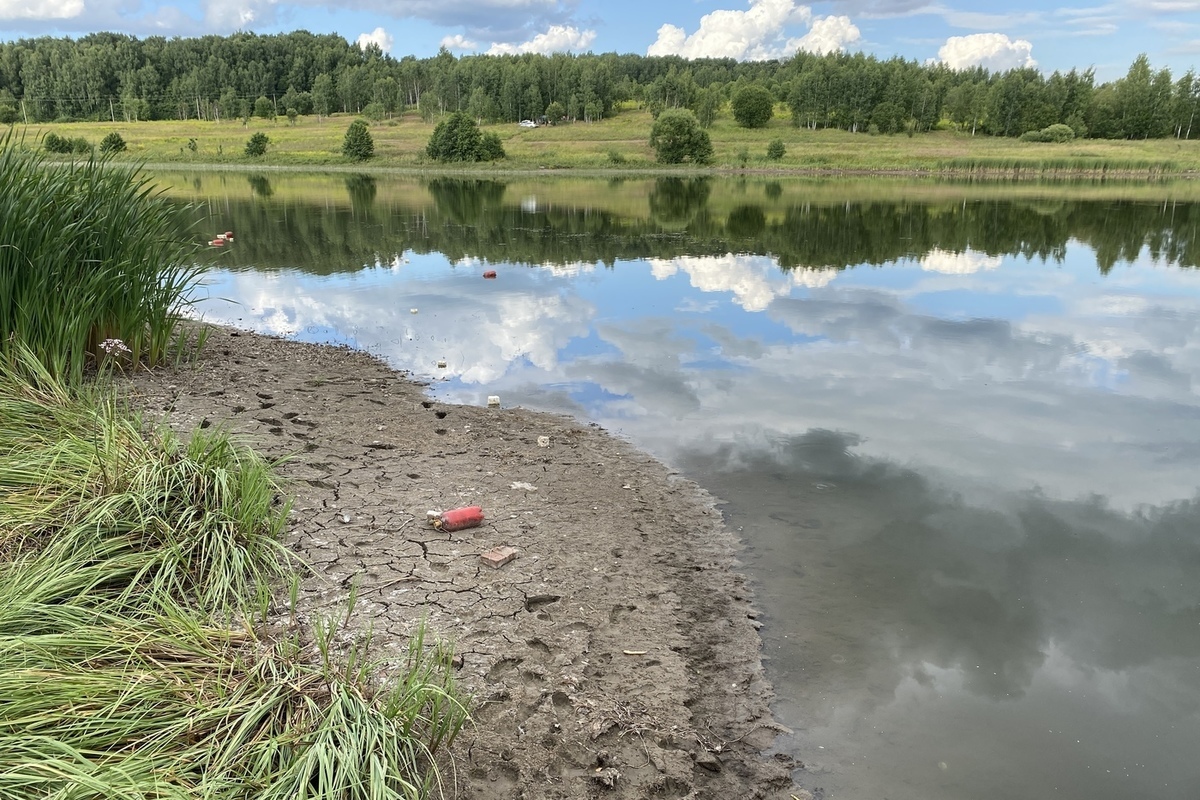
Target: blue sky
{"points": [[1050, 36]]}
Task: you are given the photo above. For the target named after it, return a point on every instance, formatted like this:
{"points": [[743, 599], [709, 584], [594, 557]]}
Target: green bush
{"points": [[776, 150], [374, 111], [677, 137], [1057, 132], [257, 145], [53, 143], [358, 144], [753, 106], [112, 143], [263, 108], [458, 138]]}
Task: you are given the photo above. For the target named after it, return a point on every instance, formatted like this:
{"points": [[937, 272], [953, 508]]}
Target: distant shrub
{"points": [[291, 115], [112, 143], [263, 108], [677, 136], [53, 143], [753, 106], [374, 111], [358, 144], [257, 145], [776, 150], [458, 138], [616, 157], [1057, 132]]}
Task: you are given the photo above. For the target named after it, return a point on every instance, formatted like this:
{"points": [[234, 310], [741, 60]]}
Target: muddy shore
{"points": [[617, 654]]}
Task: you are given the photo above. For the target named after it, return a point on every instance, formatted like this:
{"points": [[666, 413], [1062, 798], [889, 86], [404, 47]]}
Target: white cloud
{"points": [[828, 35], [237, 14], [754, 281], [994, 51], [460, 43], [378, 36], [40, 9], [556, 39], [949, 262], [756, 34]]}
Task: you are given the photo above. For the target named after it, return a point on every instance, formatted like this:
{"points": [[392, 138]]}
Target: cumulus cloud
{"points": [[378, 36], [755, 34], [754, 281], [40, 9], [828, 35], [229, 15], [556, 39], [993, 51], [460, 43], [950, 262]]}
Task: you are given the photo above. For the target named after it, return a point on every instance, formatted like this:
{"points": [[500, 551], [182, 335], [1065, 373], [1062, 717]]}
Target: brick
{"points": [[498, 556]]}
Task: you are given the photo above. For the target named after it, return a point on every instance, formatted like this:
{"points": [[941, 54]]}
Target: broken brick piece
{"points": [[498, 556]]}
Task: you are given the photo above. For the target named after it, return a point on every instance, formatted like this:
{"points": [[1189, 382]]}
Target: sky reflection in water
{"points": [[967, 481]]}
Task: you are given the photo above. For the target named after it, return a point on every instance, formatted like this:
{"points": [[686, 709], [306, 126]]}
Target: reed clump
{"points": [[87, 254], [136, 580]]}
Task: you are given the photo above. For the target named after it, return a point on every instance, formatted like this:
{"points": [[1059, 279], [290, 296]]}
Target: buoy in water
{"points": [[491, 273]]}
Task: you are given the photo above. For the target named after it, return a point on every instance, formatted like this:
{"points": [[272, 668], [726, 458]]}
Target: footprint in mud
{"points": [[501, 668], [539, 601], [619, 612], [269, 420]]}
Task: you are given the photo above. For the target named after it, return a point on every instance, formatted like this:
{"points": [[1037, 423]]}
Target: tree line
{"points": [[110, 76], [473, 218]]}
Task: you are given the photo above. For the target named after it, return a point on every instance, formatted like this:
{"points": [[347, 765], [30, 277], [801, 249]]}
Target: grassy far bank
{"points": [[622, 143], [144, 651]]}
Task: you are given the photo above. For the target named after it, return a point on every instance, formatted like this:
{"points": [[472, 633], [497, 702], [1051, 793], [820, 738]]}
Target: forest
{"points": [[110, 76]]}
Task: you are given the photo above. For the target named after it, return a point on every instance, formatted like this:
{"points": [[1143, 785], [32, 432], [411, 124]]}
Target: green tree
{"points": [[677, 137], [112, 143], [324, 95], [291, 115], [555, 112], [458, 138], [263, 108], [776, 150], [753, 106], [257, 145], [707, 104], [358, 144]]}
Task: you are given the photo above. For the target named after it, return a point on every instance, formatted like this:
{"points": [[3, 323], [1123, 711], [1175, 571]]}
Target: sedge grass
{"points": [[131, 659], [87, 254]]}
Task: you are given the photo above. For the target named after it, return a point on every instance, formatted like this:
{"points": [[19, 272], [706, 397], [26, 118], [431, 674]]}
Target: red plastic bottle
{"points": [[458, 518]]}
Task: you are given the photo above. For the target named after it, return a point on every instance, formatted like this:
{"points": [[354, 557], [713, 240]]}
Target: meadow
{"points": [[622, 144]]}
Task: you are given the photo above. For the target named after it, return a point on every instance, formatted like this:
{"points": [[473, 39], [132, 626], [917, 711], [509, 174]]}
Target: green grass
{"points": [[400, 144], [136, 572], [87, 254]]}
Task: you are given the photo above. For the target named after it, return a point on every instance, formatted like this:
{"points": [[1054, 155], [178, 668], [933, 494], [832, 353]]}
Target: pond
{"points": [[957, 427]]}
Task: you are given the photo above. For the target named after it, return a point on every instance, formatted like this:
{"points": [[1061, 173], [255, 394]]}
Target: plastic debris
{"points": [[491, 273], [457, 519], [442, 364], [413, 310], [493, 401], [543, 441]]}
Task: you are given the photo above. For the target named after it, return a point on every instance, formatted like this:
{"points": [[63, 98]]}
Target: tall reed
{"points": [[87, 253]]}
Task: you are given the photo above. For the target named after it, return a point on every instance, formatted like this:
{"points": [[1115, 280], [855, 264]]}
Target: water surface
{"points": [[957, 427]]}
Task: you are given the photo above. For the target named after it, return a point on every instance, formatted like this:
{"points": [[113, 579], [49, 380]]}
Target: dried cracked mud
{"points": [[616, 656]]}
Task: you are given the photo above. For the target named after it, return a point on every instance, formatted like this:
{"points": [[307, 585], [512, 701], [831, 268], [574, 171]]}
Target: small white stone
{"points": [[543, 441]]}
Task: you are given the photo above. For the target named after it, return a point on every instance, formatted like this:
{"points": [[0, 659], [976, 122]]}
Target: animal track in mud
{"points": [[269, 420], [426, 404], [502, 668], [440, 414], [619, 612], [539, 600]]}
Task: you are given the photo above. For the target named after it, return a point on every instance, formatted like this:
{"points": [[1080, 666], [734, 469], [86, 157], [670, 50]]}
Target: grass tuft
{"points": [[87, 254], [131, 659]]}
